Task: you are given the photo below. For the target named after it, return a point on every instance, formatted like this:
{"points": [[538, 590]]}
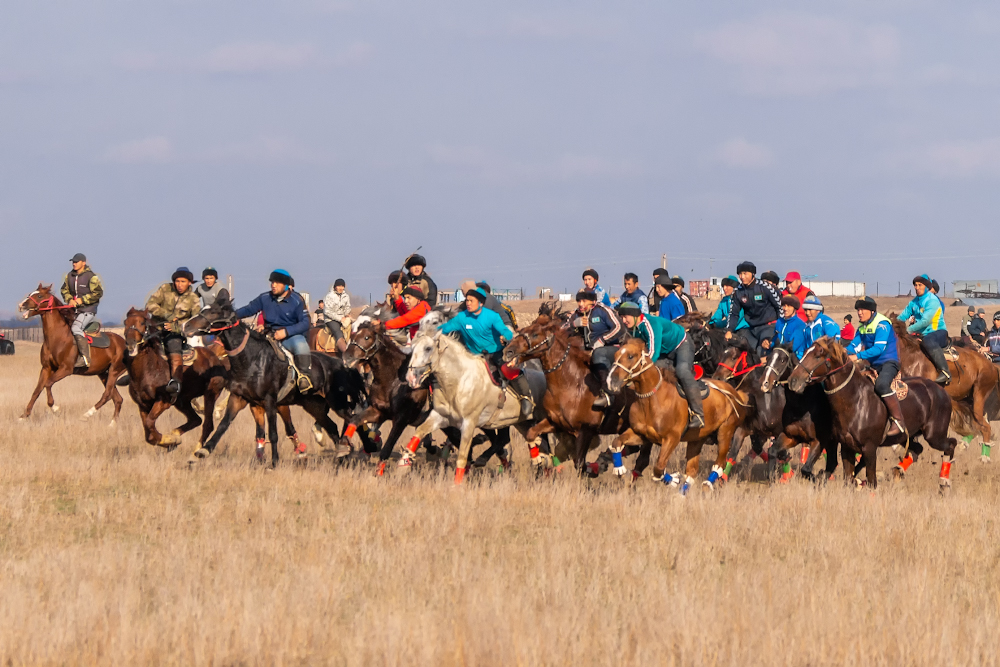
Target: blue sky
{"points": [[516, 142]]}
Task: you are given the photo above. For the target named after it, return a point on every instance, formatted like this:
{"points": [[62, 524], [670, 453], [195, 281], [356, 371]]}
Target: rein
{"points": [[562, 361], [643, 364], [841, 385], [769, 368], [45, 305], [366, 351], [746, 366]]}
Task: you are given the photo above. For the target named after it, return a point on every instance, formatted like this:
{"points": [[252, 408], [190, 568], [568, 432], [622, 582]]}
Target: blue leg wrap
{"points": [[713, 477], [617, 458]]}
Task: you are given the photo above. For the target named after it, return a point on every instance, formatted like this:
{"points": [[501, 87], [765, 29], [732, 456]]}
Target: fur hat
{"points": [[210, 271], [183, 272], [770, 276], [339, 282], [590, 272], [415, 292], [746, 266], [395, 277], [730, 281], [586, 295], [789, 300], [867, 303], [924, 279], [281, 276], [416, 260]]}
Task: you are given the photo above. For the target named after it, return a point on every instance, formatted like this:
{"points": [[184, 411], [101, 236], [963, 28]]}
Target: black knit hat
{"points": [[935, 287], [416, 260], [210, 271], [664, 280], [867, 303], [629, 308], [586, 295], [659, 272], [746, 266], [590, 272], [183, 272], [677, 280], [339, 282], [770, 276], [415, 292], [394, 277]]}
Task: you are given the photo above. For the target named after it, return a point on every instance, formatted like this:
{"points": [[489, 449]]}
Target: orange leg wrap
{"points": [[945, 469], [413, 444], [804, 455], [906, 463], [350, 430]]}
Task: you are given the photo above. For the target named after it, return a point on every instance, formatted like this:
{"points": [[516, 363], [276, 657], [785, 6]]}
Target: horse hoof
{"points": [[88, 414], [317, 434], [985, 459], [54, 408], [201, 453]]}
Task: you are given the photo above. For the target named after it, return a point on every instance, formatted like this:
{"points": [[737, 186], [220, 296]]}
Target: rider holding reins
{"points": [[758, 302], [875, 342], [82, 290], [927, 312], [170, 306], [818, 323], [602, 332], [789, 328]]}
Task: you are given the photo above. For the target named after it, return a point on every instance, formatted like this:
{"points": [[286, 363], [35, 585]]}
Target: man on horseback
{"points": [[789, 328], [590, 279], [416, 267], [667, 344], [818, 323], [720, 318], [671, 306], [82, 290], [170, 306], [634, 294], [483, 332], [491, 303], [337, 312], [285, 314], [602, 332], [927, 312], [413, 307], [758, 302], [794, 287], [685, 298], [210, 288], [875, 342], [654, 296]]}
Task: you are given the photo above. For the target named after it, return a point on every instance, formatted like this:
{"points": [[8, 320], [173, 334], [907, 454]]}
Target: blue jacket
{"points": [[480, 332], [928, 311], [602, 295], [720, 319], [288, 313], [671, 307], [823, 325], [993, 341], [603, 326], [875, 341], [792, 330], [660, 335], [636, 297]]}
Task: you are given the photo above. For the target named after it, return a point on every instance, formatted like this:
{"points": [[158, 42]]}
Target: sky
{"points": [[516, 142]]}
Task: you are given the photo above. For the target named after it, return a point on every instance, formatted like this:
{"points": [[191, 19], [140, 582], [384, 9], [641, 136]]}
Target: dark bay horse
{"points": [[709, 343], [59, 353], [257, 375], [149, 373], [973, 379], [859, 417]]}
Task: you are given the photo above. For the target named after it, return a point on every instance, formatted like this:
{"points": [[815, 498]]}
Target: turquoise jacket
{"points": [[720, 319], [660, 335], [823, 325], [481, 332], [928, 312]]}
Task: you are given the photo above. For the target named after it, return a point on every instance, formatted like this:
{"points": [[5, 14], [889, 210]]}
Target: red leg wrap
{"points": [[906, 463], [350, 431], [413, 444], [946, 469]]}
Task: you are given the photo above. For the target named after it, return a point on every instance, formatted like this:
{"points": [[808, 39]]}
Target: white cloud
{"points": [[263, 151], [742, 154], [258, 58], [562, 26], [151, 150], [489, 167], [956, 159], [802, 54]]}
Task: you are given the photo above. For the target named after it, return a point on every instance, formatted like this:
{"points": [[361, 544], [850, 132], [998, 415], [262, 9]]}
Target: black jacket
{"points": [[759, 302], [426, 285], [977, 327]]}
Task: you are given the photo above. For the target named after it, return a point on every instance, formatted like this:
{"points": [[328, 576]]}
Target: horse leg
{"points": [[667, 445], [105, 377], [208, 421], [870, 457], [693, 454], [43, 379], [583, 439], [468, 429], [271, 410], [54, 377], [725, 436], [233, 407], [433, 422], [617, 450], [153, 436], [193, 420]]}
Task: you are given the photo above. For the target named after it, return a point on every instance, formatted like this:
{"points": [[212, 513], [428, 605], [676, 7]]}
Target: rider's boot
{"points": [[697, 412], [603, 399], [523, 390], [176, 372], [83, 347], [303, 362], [937, 356], [895, 415], [341, 345]]}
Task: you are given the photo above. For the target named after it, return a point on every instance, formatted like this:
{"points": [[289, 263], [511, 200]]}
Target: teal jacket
{"points": [[660, 335], [720, 319], [928, 312], [481, 332]]}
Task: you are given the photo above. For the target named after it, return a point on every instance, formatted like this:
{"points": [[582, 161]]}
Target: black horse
{"points": [[709, 343], [258, 373]]}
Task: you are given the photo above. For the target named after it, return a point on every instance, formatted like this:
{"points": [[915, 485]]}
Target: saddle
{"points": [[950, 353], [92, 332], [898, 386], [325, 342], [188, 354], [703, 389]]}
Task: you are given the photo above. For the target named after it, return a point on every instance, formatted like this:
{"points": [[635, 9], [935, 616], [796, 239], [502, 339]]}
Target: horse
{"points": [[571, 387], [973, 379], [149, 372], [59, 352], [464, 394], [660, 415], [258, 373], [787, 417], [709, 343], [860, 418]]}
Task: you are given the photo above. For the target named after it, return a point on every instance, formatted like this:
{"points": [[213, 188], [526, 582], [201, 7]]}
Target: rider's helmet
{"points": [[629, 308], [590, 272]]}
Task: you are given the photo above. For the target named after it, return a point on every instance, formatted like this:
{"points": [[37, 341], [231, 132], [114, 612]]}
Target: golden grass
{"points": [[112, 551]]}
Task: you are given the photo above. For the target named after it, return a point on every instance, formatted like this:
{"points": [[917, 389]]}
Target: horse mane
{"points": [[434, 319], [903, 337], [692, 319]]}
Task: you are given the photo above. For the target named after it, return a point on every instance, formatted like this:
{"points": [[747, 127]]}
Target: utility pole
{"points": [[663, 261]]}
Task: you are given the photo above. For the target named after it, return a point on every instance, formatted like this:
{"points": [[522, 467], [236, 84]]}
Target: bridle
{"points": [[42, 305], [770, 369], [367, 352], [829, 373], [642, 364], [741, 360]]}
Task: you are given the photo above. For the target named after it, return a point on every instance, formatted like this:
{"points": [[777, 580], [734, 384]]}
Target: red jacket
{"points": [[847, 333], [801, 295], [409, 318]]}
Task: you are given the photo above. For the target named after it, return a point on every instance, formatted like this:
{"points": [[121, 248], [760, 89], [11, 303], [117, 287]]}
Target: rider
{"points": [[993, 338], [875, 341], [590, 279], [794, 287], [634, 294], [602, 332], [667, 343], [671, 306], [928, 313], [653, 296], [818, 323], [414, 307], [772, 279], [492, 303], [417, 276], [482, 331], [396, 284], [337, 312], [210, 288], [678, 285], [789, 328], [82, 289], [170, 306], [285, 313], [758, 302], [720, 318]]}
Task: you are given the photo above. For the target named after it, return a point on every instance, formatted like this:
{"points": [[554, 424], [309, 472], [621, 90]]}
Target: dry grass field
{"points": [[115, 552]]}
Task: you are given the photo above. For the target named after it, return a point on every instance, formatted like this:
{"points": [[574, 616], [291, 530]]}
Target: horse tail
{"points": [[963, 420]]}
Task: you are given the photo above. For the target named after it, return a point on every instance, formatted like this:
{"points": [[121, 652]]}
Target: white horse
{"points": [[464, 395]]}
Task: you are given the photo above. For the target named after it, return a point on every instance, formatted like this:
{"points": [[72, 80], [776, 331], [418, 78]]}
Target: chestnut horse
{"points": [[859, 417], [149, 373], [59, 353], [973, 379], [660, 414]]}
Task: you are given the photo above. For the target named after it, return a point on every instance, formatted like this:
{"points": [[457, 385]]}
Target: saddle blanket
{"points": [[100, 340], [898, 386], [188, 354], [950, 353]]}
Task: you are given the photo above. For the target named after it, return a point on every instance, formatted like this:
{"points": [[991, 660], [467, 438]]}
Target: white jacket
{"points": [[337, 306]]}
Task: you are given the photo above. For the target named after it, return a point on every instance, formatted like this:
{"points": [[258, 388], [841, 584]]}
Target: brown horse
{"points": [[973, 379], [660, 414], [859, 417], [571, 386], [149, 373], [59, 352]]}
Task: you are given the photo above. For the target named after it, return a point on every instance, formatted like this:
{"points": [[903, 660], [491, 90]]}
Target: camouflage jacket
{"points": [[166, 304], [86, 285]]}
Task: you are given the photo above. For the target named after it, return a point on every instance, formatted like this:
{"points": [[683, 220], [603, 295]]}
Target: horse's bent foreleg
{"points": [[43, 378], [468, 429], [433, 422], [153, 436], [233, 407]]}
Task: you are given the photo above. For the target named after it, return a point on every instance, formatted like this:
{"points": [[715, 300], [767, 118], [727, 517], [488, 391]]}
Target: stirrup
{"points": [[893, 422], [944, 377], [304, 380], [173, 387], [602, 401], [695, 421]]}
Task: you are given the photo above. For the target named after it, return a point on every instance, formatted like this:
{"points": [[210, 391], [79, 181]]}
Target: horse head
{"points": [[630, 361], [824, 358], [37, 302], [136, 329], [220, 315], [425, 353], [532, 341], [781, 359], [738, 358], [365, 343]]}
